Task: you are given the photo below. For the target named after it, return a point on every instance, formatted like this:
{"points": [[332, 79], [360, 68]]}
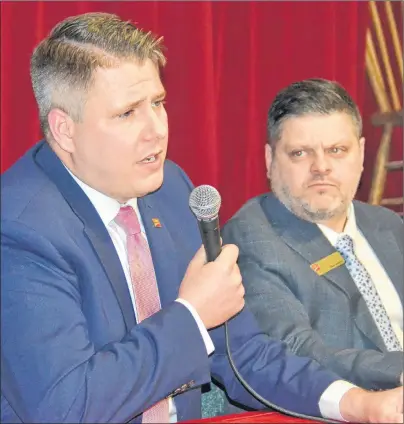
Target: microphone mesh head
{"points": [[205, 202]]}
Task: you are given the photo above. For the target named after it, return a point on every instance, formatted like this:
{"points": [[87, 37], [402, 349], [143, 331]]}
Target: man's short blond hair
{"points": [[63, 64]]}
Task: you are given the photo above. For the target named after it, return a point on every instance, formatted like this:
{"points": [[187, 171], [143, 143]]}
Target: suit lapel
{"points": [[105, 250], [162, 247], [309, 242], [306, 239], [93, 227]]}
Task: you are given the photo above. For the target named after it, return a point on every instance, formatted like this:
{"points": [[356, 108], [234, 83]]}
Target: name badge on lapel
{"points": [[328, 263]]}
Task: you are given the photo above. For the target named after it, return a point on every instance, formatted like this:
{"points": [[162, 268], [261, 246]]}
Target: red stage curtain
{"points": [[226, 61]]}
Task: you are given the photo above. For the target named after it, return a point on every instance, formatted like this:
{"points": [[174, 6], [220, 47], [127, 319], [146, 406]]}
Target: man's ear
{"points": [[62, 128], [362, 149], [268, 157]]}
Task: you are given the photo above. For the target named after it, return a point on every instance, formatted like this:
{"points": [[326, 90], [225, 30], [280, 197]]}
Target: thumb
{"points": [[228, 256], [199, 260]]}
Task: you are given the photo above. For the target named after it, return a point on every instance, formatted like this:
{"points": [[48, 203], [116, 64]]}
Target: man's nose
{"points": [[157, 126], [321, 164]]}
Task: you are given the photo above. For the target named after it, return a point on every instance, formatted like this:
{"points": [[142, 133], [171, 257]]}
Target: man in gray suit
{"points": [[322, 271]]}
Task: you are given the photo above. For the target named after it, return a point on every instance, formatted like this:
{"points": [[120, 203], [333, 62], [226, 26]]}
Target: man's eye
{"points": [[158, 103], [126, 114], [297, 153], [335, 150]]}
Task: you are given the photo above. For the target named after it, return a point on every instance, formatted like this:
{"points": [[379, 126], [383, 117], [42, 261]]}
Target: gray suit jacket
{"points": [[323, 317]]}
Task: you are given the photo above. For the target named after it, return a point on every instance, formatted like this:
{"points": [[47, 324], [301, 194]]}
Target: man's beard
{"points": [[302, 208]]}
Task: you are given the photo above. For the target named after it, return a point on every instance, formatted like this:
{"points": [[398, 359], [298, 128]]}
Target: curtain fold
{"points": [[226, 61]]}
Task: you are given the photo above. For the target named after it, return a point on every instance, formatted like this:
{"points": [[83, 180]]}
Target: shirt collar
{"points": [[106, 206], [350, 228]]}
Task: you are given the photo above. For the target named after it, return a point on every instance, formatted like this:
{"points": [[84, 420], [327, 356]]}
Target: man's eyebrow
{"points": [[161, 95], [135, 103], [298, 146]]}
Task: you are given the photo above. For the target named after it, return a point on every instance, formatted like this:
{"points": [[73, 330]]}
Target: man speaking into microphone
{"points": [[110, 312]]}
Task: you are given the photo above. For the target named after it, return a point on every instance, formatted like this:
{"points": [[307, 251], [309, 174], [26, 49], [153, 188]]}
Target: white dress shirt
{"points": [[108, 209]]}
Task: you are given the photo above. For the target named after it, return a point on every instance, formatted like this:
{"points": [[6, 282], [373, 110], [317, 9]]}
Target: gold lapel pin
{"points": [[156, 222]]}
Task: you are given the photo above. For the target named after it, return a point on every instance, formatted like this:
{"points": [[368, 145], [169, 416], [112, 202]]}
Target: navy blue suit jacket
{"points": [[71, 348]]}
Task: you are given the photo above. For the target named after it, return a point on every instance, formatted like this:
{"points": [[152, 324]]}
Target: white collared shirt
{"points": [[366, 255]]}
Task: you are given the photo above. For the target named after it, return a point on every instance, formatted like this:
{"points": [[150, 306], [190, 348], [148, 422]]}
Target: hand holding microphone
{"points": [[213, 288]]}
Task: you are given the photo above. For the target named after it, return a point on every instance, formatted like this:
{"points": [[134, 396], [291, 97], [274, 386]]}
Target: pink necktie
{"points": [[145, 289]]}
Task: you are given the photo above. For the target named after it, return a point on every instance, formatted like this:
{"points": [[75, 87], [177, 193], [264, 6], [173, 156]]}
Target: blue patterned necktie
{"points": [[368, 291]]}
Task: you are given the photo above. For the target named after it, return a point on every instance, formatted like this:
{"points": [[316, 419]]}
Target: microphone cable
{"points": [[259, 397]]}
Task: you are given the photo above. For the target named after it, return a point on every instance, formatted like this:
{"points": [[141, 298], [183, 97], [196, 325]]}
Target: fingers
{"points": [[227, 258], [199, 259], [236, 274]]}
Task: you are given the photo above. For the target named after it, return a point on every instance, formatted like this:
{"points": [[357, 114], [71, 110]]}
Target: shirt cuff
{"points": [[331, 397], [204, 332]]}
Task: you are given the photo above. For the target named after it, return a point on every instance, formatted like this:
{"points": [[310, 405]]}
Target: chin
{"points": [[327, 205], [153, 184], [324, 199], [322, 207]]}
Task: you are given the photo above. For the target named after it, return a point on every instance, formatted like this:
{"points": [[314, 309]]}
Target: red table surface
{"points": [[253, 417]]}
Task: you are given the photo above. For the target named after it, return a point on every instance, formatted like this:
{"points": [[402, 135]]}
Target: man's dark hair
{"points": [[311, 96]]}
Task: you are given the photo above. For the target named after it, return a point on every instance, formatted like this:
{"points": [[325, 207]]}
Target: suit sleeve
{"points": [[290, 382], [51, 371], [281, 315]]}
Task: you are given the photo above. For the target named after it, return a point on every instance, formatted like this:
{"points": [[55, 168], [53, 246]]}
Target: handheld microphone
{"points": [[205, 202]]}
